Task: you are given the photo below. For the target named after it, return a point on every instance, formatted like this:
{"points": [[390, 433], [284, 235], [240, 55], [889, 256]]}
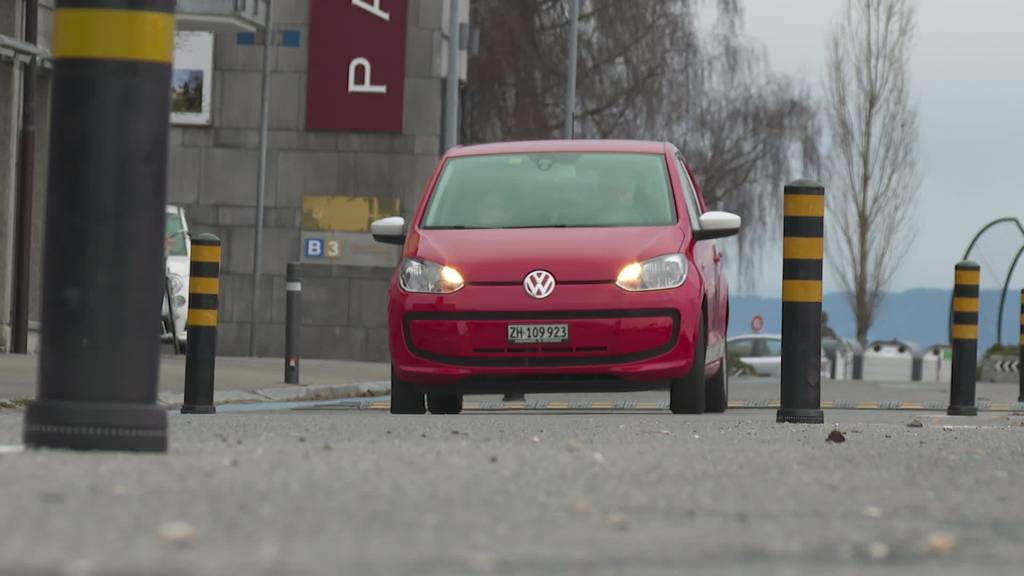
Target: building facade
{"points": [[354, 132]]}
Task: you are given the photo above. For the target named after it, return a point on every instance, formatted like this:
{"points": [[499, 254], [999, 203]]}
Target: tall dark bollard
{"points": [[293, 319], [103, 262], [1020, 365], [201, 357], [965, 340], [803, 248]]}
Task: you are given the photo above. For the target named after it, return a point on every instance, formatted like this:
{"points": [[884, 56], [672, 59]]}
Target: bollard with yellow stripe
{"points": [[964, 334], [103, 261], [803, 252], [203, 296]]}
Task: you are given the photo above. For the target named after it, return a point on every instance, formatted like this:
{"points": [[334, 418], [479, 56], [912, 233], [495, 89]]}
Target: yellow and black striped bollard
{"points": [[201, 357], [803, 248], [103, 261], [1020, 352], [965, 340]]}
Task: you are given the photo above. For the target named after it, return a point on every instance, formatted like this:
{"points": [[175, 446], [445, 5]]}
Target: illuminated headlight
{"points": [[658, 273], [176, 282], [429, 277]]}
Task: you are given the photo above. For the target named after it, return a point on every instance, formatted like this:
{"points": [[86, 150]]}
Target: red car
{"points": [[559, 266]]}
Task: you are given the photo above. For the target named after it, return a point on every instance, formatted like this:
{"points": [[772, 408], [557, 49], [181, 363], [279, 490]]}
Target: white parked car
{"points": [[178, 249], [763, 353]]}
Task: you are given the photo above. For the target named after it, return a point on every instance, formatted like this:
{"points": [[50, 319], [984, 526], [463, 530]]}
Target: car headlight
{"points": [[659, 273], [424, 276], [176, 282]]}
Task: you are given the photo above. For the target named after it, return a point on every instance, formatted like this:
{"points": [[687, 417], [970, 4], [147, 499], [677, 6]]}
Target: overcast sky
{"points": [[968, 81]]}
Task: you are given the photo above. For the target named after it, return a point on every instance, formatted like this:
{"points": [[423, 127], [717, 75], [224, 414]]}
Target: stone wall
{"points": [[213, 175]]}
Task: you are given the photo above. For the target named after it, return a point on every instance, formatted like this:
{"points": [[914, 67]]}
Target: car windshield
{"points": [[552, 190], [174, 233]]}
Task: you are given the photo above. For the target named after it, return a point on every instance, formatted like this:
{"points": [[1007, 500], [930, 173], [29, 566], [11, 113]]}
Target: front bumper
{"points": [[617, 339]]}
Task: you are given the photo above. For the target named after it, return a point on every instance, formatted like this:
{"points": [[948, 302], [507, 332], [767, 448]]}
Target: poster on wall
{"points": [[192, 79]]}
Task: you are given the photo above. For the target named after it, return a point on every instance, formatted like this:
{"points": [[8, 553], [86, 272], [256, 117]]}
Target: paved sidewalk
{"points": [[237, 380]]}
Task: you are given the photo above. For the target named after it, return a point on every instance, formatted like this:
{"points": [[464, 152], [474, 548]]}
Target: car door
{"points": [[742, 349], [767, 358], [705, 257]]}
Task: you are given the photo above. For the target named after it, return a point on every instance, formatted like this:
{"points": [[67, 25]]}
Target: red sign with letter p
{"points": [[356, 65]]}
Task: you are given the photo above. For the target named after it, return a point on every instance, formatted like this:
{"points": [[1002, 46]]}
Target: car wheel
{"points": [[687, 393], [718, 386], [405, 399], [441, 404]]}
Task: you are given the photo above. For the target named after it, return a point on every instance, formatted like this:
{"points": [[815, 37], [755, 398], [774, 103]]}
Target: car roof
{"points": [[530, 146]]}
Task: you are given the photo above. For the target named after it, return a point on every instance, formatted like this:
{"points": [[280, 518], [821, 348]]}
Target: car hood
{"points": [[570, 254]]}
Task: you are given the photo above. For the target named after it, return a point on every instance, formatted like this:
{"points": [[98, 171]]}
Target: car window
{"points": [[689, 195], [552, 190], [743, 348], [769, 347], [174, 233]]}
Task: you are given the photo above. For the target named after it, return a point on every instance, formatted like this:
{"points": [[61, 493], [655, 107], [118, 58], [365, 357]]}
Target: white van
{"points": [[178, 250]]}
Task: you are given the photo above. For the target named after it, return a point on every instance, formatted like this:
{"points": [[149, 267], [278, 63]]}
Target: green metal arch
{"points": [[1009, 274]]}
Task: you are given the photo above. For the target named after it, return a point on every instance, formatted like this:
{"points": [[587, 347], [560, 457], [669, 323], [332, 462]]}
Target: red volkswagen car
{"points": [[559, 266]]}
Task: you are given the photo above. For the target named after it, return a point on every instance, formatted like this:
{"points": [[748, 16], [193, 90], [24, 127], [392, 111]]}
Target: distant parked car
{"points": [[178, 249], [763, 353]]}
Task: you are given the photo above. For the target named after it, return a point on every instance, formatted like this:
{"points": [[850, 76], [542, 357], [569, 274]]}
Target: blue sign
{"points": [[314, 247]]}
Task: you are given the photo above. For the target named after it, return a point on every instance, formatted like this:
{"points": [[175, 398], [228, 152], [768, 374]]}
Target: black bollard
{"points": [[293, 320], [1020, 351], [803, 252], [201, 357], [103, 263], [965, 340]]}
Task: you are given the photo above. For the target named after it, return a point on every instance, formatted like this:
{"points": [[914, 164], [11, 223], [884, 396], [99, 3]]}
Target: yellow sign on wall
{"points": [[345, 213]]}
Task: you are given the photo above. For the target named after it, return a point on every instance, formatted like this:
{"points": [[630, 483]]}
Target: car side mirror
{"points": [[389, 230], [717, 225]]}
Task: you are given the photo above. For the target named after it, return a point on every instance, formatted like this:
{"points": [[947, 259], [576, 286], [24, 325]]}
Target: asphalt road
{"points": [[364, 492]]}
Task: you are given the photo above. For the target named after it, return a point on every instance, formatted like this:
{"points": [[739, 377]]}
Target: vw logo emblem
{"points": [[539, 284]]}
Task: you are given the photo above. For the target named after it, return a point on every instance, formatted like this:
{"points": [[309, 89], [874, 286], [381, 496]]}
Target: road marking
{"points": [[735, 404]]}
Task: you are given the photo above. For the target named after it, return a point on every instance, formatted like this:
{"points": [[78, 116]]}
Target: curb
{"points": [[298, 393]]}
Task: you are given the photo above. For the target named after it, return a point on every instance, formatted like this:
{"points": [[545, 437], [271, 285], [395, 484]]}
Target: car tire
{"points": [[444, 404], [717, 392], [687, 393], [405, 398]]}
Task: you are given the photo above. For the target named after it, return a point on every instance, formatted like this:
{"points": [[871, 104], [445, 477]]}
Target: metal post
{"points": [[203, 296], [965, 339], [803, 252], [570, 78], [261, 179], [451, 99], [26, 189], [293, 321], [1020, 346], [1002, 295], [103, 264]]}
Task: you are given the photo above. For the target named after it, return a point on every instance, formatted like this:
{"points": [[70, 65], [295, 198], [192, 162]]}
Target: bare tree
{"points": [[647, 71], [872, 163]]}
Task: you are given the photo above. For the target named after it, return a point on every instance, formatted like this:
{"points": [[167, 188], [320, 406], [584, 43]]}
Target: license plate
{"points": [[537, 333]]}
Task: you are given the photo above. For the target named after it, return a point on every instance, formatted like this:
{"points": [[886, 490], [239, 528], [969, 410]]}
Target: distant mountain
{"points": [[919, 316]]}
